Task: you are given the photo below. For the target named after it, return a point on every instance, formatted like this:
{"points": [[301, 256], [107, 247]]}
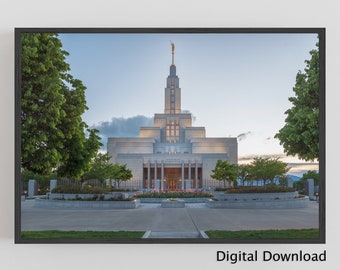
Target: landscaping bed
{"points": [[95, 204], [187, 197], [258, 197]]}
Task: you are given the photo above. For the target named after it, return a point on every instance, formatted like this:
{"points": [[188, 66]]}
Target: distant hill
{"points": [[293, 177]]}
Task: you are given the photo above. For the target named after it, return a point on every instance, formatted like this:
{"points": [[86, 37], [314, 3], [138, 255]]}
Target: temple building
{"points": [[172, 154]]}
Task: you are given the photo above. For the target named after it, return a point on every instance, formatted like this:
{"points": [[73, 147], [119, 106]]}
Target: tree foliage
{"points": [[300, 134], [101, 168], [120, 173], [52, 102], [225, 171], [267, 169], [244, 172], [300, 185]]}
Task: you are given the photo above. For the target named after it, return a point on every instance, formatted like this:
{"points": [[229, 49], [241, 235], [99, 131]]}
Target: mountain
{"points": [[293, 177]]}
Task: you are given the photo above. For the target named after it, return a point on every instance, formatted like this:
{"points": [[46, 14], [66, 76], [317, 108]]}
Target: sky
{"points": [[235, 85]]}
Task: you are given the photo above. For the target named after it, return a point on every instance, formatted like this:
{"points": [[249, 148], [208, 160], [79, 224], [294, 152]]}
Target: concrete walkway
{"points": [[167, 222]]}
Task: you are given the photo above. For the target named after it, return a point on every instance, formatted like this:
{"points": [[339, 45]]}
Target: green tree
{"points": [[300, 134], [101, 168], [299, 185], [244, 172], [78, 153], [52, 102], [267, 169], [225, 171], [120, 173]]}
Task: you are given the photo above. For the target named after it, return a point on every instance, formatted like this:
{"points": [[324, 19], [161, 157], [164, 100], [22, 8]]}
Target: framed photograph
{"points": [[170, 135]]}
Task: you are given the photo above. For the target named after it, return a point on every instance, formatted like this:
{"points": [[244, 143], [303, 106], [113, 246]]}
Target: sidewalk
{"points": [[151, 217]]}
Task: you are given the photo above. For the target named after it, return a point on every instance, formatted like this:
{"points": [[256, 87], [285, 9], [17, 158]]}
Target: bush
{"points": [[221, 189], [263, 189], [77, 189]]}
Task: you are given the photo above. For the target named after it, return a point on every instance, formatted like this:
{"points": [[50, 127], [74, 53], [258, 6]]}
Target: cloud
{"points": [[250, 158], [243, 136], [122, 127]]}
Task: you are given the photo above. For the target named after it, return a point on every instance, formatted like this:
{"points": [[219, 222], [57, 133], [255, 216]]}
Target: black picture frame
{"points": [[321, 32]]}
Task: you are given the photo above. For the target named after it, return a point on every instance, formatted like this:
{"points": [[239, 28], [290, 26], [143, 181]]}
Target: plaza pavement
{"points": [[167, 222]]}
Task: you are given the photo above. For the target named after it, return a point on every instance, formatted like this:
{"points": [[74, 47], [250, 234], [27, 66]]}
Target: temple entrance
{"points": [[172, 176], [164, 178], [172, 181]]}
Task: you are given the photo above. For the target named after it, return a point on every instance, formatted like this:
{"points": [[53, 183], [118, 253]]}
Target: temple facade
{"points": [[171, 154]]}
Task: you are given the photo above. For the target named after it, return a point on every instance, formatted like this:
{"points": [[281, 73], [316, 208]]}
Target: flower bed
{"points": [[118, 196], [71, 204], [260, 189], [255, 196], [186, 200], [297, 202], [258, 197], [165, 195]]}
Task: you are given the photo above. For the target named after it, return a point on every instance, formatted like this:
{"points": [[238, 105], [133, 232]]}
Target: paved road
{"points": [[151, 217]]}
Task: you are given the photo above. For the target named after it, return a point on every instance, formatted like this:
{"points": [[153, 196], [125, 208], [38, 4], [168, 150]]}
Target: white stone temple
{"points": [[172, 154]]}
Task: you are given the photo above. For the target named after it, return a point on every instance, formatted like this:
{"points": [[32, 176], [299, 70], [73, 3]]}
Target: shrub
{"points": [[262, 189], [77, 189], [221, 189]]}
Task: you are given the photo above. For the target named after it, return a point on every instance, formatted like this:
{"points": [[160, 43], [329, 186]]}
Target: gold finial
{"points": [[173, 51]]}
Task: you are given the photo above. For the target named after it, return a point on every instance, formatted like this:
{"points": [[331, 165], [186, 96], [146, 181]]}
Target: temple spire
{"points": [[173, 52]]}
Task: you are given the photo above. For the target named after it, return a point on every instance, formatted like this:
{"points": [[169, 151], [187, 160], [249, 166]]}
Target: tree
{"points": [[120, 173], [300, 134], [267, 169], [101, 168], [225, 171], [299, 185], [244, 172], [78, 153], [52, 102]]}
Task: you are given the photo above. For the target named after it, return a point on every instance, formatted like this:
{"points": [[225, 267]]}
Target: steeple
{"points": [[172, 80], [172, 90], [173, 52]]}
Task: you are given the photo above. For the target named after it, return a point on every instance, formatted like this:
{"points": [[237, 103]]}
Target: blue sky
{"points": [[235, 85]]}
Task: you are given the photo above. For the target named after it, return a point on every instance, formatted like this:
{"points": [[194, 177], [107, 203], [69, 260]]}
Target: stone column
{"points": [[53, 184], [189, 173], [32, 188], [162, 176], [155, 173], [183, 180], [149, 178], [310, 187], [196, 176]]}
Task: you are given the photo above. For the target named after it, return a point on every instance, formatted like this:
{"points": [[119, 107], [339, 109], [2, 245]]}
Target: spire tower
{"points": [[173, 52], [172, 90]]}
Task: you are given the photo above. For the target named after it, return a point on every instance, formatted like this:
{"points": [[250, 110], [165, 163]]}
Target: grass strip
{"points": [[265, 234], [80, 234]]}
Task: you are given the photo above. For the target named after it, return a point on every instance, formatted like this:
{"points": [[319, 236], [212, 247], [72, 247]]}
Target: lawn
{"points": [[80, 234], [265, 234]]}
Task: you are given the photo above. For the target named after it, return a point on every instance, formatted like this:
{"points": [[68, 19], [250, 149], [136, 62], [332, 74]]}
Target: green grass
{"points": [[80, 234], [265, 234]]}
